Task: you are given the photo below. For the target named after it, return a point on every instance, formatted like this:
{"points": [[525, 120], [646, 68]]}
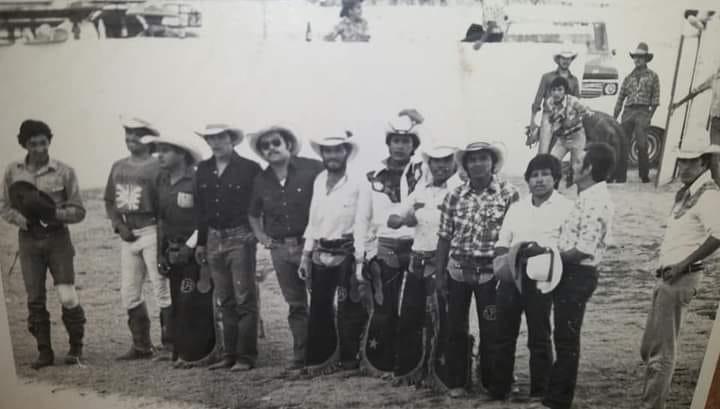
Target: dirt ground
{"points": [[610, 369]]}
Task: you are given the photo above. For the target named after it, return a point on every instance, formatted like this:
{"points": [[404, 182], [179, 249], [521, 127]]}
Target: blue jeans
{"points": [[636, 123]]}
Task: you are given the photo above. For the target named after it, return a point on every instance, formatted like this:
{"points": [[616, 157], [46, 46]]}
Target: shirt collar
{"points": [[52, 165], [570, 74], [493, 187], [701, 180]]}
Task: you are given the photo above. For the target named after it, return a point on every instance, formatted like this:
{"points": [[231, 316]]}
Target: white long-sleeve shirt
{"points": [[526, 222]]}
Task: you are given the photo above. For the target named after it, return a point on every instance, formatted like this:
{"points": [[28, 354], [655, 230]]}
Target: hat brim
{"points": [[32, 202], [568, 56], [353, 152], [546, 287], [255, 138], [236, 134], [156, 140], [499, 156], [648, 56]]}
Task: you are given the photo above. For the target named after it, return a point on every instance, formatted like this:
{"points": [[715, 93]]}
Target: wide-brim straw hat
{"points": [[282, 130], [194, 152], [138, 123], [338, 138], [642, 50], [506, 269], [494, 147], [694, 153], [545, 269], [236, 134], [438, 152]]}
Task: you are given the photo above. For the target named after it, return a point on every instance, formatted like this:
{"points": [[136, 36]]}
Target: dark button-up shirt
{"points": [[222, 202], [176, 207], [640, 87], [285, 209], [543, 91]]}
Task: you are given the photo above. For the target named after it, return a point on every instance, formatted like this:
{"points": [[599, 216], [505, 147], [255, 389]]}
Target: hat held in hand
{"points": [[37, 206]]}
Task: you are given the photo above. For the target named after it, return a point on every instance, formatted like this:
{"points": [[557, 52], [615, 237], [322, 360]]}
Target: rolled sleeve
{"points": [[8, 214]]}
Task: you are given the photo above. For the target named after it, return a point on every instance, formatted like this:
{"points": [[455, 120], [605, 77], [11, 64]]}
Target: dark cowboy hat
{"points": [[37, 206], [473, 33], [642, 50]]}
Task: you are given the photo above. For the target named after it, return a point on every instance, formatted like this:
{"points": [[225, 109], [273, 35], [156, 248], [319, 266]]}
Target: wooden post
{"points": [[669, 114]]}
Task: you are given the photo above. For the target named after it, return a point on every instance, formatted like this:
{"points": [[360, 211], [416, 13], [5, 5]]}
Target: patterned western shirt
{"points": [[565, 117], [640, 87], [543, 91], [471, 219], [351, 30], [589, 224]]}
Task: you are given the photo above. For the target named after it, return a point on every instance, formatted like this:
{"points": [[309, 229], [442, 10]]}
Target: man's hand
{"points": [[305, 266], [411, 221], [265, 240], [125, 233], [395, 221], [180, 254], [201, 255], [672, 273], [21, 222], [477, 45]]}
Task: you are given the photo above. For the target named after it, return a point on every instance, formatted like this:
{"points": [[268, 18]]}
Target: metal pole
{"points": [[690, 87], [669, 114]]}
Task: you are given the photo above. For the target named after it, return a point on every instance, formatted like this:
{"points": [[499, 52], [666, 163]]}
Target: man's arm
{"points": [[9, 214], [704, 86], [255, 213], [72, 210], [361, 227], [110, 209], [620, 99], [708, 247], [655, 101]]}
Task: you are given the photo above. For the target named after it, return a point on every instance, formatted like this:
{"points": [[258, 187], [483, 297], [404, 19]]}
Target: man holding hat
{"points": [[417, 334], [188, 322], [470, 219], [640, 96], [131, 204], [279, 211], [692, 234], [327, 264], [530, 225], [226, 243], [382, 254], [584, 235], [41, 196], [563, 59]]}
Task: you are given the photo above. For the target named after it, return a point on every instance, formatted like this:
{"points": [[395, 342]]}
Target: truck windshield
{"points": [[591, 35]]}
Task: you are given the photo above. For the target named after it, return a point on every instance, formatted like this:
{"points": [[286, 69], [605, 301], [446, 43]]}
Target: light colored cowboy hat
{"points": [[236, 134], [642, 50], [494, 147], [284, 131], [138, 123], [194, 152], [407, 122], [566, 51], [695, 153], [340, 137], [546, 269], [506, 269], [437, 152]]}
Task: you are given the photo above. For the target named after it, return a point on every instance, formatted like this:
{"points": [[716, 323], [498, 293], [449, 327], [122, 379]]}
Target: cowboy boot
{"points": [[41, 331], [74, 320], [139, 324], [166, 351]]}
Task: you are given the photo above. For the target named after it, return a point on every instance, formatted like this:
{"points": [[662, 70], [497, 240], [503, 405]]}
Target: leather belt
{"points": [[692, 268], [289, 240]]}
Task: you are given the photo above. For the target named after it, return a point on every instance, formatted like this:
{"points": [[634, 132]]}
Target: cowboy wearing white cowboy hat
{"points": [[131, 205], [692, 234], [563, 58], [638, 98], [187, 325], [327, 263], [382, 253], [530, 226], [226, 242], [418, 335], [470, 218], [279, 211]]}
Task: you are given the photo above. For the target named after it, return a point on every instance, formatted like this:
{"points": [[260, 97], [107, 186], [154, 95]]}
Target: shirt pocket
{"points": [[185, 200]]}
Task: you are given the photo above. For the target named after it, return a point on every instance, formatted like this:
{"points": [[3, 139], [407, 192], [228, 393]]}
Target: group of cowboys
{"points": [[390, 258]]}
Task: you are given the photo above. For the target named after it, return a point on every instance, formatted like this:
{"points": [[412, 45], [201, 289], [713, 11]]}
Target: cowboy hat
{"points": [[339, 138], [437, 152], [37, 206], [494, 147], [236, 134], [285, 132], [566, 51], [177, 142], [698, 152], [642, 51], [506, 267], [407, 122], [138, 123], [473, 33], [545, 269]]}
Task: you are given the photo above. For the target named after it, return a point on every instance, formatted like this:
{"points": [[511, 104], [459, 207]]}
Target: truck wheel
{"points": [[655, 144]]}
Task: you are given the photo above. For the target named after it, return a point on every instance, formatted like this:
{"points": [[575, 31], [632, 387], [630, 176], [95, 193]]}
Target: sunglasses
{"points": [[265, 145]]}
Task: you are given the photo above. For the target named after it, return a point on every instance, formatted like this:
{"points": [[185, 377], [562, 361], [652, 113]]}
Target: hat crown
{"points": [[402, 124], [643, 47]]}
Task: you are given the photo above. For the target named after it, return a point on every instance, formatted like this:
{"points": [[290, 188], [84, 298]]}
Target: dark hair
{"points": [[545, 161], [30, 128], [602, 158], [347, 5], [488, 151], [286, 135], [560, 82]]}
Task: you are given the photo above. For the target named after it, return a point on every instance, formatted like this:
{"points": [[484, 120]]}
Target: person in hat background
{"points": [[711, 83], [45, 244], [327, 264], [534, 220], [563, 114], [279, 211], [692, 235], [226, 243], [382, 254], [584, 235], [470, 218], [494, 18], [189, 321], [131, 205], [638, 98], [353, 26], [417, 331], [563, 59]]}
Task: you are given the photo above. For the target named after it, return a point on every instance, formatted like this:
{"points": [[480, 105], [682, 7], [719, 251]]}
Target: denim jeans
{"points": [[569, 299], [636, 123]]}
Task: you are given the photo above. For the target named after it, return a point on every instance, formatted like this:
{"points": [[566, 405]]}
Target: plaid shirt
{"points": [[565, 117], [471, 220], [640, 87]]}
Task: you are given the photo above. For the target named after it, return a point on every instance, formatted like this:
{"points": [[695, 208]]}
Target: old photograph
{"points": [[359, 203]]}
